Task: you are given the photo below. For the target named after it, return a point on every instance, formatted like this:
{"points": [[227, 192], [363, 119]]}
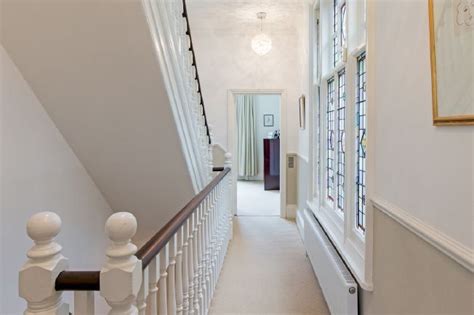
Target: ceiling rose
{"points": [[261, 43]]}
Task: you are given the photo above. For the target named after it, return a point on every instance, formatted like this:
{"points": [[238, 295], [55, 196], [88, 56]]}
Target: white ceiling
{"points": [[240, 16]]}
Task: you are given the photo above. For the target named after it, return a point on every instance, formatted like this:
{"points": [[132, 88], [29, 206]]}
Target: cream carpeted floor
{"points": [[252, 199], [266, 271]]}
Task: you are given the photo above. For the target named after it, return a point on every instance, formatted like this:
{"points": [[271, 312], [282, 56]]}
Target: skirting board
{"points": [[291, 211], [447, 245]]}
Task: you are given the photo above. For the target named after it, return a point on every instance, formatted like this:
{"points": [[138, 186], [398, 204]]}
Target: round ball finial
{"points": [[228, 156], [121, 227], [43, 226]]}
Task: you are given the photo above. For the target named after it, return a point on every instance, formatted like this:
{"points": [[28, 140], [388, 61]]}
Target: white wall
{"points": [[426, 171], [226, 61], [423, 169], [40, 172]]}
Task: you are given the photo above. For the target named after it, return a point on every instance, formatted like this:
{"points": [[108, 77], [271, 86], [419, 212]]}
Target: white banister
{"points": [[162, 291], [179, 273], [182, 262], [153, 276], [171, 294], [38, 275], [143, 293], [121, 275], [191, 265], [186, 268]]}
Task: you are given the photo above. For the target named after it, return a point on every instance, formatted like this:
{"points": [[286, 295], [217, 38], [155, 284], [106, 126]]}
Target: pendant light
{"points": [[261, 43]]}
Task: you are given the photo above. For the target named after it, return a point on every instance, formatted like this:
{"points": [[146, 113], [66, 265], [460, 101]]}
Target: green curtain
{"points": [[247, 136]]}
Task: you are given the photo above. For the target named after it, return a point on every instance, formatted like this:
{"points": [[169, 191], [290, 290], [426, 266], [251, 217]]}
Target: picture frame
{"points": [[451, 84], [268, 120], [302, 112]]}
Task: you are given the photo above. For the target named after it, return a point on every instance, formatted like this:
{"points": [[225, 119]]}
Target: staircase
{"points": [[119, 80]]}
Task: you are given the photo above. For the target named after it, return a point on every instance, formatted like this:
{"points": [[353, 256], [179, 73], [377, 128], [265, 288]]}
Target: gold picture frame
{"points": [[439, 120]]}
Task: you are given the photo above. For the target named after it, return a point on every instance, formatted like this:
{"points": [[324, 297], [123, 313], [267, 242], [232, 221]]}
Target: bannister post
{"points": [[121, 275], [39, 273]]}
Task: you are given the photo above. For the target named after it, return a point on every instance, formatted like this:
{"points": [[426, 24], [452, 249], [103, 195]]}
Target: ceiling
{"points": [[240, 16]]}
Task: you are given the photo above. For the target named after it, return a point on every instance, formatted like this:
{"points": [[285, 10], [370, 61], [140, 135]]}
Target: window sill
{"points": [[347, 249]]}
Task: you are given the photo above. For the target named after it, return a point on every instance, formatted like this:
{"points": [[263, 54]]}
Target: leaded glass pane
{"points": [[341, 132], [330, 141], [361, 131]]}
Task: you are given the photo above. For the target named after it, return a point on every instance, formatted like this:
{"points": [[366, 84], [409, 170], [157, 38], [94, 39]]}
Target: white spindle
{"points": [[84, 303], [179, 273], [153, 276], [121, 275], [171, 295], [162, 292], [143, 293], [196, 260], [39, 273], [191, 265], [186, 268]]}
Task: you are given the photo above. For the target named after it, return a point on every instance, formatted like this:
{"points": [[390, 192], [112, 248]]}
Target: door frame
{"points": [[232, 139]]}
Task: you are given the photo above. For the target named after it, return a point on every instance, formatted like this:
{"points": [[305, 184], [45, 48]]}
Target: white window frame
{"points": [[354, 246]]}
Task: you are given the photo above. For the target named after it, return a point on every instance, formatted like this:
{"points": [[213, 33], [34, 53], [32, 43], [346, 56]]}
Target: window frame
{"points": [[341, 226]]}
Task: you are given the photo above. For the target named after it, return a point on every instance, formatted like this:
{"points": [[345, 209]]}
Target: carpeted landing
{"points": [[266, 271]]}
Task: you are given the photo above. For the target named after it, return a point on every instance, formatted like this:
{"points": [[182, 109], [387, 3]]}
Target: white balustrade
{"points": [[178, 277]]}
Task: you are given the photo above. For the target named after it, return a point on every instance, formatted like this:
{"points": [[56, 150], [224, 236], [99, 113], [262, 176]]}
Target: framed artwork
{"points": [[268, 120], [302, 112], [451, 49]]}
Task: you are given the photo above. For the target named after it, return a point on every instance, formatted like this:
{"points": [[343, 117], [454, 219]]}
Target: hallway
{"points": [[266, 271]]}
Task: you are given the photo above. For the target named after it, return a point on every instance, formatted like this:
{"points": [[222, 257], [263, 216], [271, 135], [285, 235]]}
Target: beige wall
{"points": [[413, 277]]}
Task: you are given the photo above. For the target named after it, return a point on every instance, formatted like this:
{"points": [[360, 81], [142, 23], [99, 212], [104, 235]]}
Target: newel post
{"points": [[39, 273], [121, 275]]}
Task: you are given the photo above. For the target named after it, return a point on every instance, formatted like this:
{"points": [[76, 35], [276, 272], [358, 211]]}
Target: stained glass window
{"points": [[343, 27], [341, 132], [330, 128], [361, 131]]}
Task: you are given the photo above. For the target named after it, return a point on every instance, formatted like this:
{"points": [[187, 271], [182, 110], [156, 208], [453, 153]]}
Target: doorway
{"points": [[257, 143]]}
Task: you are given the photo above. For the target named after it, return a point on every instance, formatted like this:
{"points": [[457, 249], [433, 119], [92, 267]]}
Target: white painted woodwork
{"points": [[171, 293], [162, 291], [179, 273], [45, 262], [121, 275], [181, 279], [143, 293], [84, 303]]}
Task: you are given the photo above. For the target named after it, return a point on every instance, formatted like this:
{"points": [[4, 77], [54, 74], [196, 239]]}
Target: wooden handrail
{"points": [[151, 248], [78, 281], [191, 48], [90, 280]]}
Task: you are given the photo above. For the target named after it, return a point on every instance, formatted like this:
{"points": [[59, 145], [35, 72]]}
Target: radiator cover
{"points": [[338, 285]]}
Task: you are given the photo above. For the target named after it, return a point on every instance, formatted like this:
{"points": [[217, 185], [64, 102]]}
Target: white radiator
{"points": [[338, 285]]}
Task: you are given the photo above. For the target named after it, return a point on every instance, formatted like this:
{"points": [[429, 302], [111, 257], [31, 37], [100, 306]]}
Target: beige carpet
{"points": [[266, 271], [253, 199]]}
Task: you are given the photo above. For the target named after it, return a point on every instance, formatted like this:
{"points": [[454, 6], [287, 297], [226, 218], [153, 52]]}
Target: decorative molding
{"points": [[444, 243]]}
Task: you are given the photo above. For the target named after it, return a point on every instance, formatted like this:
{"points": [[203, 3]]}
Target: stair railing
{"points": [[175, 272], [170, 29]]}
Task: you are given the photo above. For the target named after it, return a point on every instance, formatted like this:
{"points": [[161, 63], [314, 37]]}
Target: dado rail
{"points": [[175, 272]]}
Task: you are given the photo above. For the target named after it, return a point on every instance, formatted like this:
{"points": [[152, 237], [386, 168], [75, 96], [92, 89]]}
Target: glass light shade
{"points": [[261, 44]]}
